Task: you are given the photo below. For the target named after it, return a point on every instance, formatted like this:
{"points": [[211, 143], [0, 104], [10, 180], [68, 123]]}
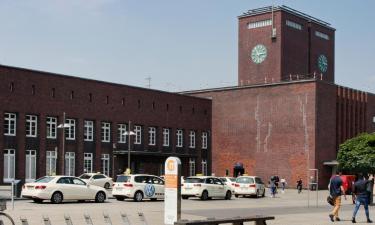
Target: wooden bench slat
{"points": [[260, 220]]}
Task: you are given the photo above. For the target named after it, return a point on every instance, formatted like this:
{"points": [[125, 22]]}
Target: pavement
{"points": [[289, 208]]}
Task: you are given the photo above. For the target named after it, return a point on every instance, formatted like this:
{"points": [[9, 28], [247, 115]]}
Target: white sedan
{"points": [[249, 186], [97, 179], [205, 188], [61, 188]]}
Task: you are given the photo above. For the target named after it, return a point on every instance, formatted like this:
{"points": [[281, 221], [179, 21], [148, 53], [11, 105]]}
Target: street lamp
{"points": [[129, 133], [63, 126]]}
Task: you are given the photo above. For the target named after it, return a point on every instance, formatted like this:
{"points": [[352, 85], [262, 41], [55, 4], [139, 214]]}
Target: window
{"points": [[121, 129], [31, 125], [204, 167], [138, 134], [87, 163], [322, 35], [70, 160], [30, 166], [166, 132], [9, 165], [11, 87], [262, 23], [294, 25], [51, 127], [51, 163], [70, 132], [179, 138], [204, 140], [88, 131], [192, 167], [106, 132], [105, 164], [151, 135], [192, 139], [10, 124]]}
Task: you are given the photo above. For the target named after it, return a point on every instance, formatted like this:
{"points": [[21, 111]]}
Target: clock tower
{"points": [[280, 44]]}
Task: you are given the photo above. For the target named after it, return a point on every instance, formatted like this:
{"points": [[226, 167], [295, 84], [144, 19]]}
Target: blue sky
{"points": [[180, 44]]}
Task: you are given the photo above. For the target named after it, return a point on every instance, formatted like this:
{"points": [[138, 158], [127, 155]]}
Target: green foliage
{"points": [[358, 154]]}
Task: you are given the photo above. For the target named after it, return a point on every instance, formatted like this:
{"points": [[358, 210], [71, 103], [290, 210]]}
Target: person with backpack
{"points": [[361, 194], [299, 185]]}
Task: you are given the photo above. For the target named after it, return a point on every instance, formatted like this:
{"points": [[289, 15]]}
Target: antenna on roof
{"points": [[149, 81]]}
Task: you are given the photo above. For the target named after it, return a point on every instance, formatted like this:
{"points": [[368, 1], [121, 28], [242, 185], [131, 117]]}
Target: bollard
{"points": [[46, 220], [68, 220], [88, 219], [142, 218], [24, 221], [125, 219], [107, 219]]}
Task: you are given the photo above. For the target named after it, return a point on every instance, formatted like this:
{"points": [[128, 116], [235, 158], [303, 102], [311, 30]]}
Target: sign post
{"points": [[172, 191]]}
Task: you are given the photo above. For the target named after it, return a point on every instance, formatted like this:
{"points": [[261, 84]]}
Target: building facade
{"points": [[286, 117], [97, 117]]}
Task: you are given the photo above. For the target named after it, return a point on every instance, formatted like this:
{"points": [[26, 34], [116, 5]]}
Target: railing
{"points": [[258, 220]]}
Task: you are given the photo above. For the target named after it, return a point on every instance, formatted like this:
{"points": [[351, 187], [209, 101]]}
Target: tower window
{"points": [[33, 89], [11, 87], [53, 92], [294, 25], [322, 35], [257, 24]]}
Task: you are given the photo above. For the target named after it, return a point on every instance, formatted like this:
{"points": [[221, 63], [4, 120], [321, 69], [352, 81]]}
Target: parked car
{"points": [[138, 187], [61, 188], [205, 187], [230, 181], [97, 179], [249, 186]]}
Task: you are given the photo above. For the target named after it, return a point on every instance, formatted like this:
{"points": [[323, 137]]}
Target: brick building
{"points": [[97, 113], [286, 115]]}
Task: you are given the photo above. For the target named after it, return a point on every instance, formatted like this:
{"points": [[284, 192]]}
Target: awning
{"points": [[331, 163]]}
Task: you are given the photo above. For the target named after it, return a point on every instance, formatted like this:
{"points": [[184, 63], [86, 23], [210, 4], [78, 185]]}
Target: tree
{"points": [[358, 154]]}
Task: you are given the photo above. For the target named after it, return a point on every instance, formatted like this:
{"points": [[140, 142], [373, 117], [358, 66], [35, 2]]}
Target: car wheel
{"points": [[204, 196], [185, 197], [100, 197], [228, 196], [138, 196], [107, 185], [37, 200], [257, 194], [57, 197], [237, 196], [120, 198]]}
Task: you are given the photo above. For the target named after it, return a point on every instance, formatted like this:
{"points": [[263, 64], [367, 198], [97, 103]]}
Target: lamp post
{"points": [[129, 133], [63, 126]]}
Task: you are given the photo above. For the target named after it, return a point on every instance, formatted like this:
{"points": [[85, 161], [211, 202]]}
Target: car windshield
{"points": [[85, 176], [194, 180], [245, 180], [232, 179], [44, 180], [123, 178]]}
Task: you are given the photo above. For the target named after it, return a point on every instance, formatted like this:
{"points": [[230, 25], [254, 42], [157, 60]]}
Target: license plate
{"points": [[118, 189]]}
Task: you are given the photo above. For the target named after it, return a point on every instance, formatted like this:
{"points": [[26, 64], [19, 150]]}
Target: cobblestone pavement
{"points": [[289, 209]]}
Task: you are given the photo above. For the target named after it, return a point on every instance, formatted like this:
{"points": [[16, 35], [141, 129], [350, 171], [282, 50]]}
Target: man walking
{"points": [[336, 190], [361, 197]]}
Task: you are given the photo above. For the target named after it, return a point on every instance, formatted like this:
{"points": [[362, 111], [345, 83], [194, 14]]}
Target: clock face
{"points": [[259, 54], [323, 63]]}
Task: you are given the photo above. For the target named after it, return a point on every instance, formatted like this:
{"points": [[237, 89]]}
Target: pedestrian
{"points": [[272, 185], [299, 185], [361, 197], [336, 190], [283, 185]]}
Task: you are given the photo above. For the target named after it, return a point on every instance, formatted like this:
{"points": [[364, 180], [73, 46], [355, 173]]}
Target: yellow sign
{"points": [[170, 165]]}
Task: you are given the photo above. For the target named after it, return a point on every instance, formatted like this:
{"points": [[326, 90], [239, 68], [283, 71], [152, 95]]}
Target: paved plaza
{"points": [[289, 208]]}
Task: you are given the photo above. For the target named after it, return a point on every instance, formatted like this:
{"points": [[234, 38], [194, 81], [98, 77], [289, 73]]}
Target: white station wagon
{"points": [[249, 186], [205, 187], [138, 187], [61, 188], [97, 179]]}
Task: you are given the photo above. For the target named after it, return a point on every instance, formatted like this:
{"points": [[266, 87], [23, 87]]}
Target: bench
{"points": [[259, 220]]}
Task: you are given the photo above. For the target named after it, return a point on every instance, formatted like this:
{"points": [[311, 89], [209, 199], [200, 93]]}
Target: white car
{"points": [[97, 179], [61, 188], [138, 187], [230, 181], [205, 187], [249, 186]]}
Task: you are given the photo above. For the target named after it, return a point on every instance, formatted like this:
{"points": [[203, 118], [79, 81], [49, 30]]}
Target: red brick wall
{"points": [[184, 112], [270, 129]]}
